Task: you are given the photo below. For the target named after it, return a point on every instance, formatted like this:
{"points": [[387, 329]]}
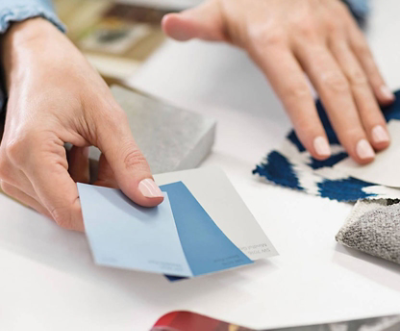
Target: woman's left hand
{"points": [[288, 38]]}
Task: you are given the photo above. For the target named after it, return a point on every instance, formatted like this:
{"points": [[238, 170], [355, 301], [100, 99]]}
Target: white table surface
{"points": [[49, 282]]}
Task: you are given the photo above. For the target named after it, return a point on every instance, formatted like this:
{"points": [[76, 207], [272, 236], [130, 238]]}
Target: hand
{"points": [[289, 37], [56, 97]]}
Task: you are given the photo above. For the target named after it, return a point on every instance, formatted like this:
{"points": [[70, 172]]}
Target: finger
{"points": [[370, 114], [12, 175], [203, 22], [364, 55], [290, 85], [130, 167], [78, 164], [106, 175], [56, 191], [335, 93], [25, 199]]}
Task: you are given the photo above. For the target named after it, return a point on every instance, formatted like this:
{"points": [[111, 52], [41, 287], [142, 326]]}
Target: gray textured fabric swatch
{"points": [[373, 227]]}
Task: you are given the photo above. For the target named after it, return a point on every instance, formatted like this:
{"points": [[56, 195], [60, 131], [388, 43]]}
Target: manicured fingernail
{"points": [[322, 147], [364, 150], [150, 189], [387, 93], [380, 135]]}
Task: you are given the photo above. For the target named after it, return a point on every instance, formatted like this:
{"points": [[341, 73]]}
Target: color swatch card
{"points": [[178, 238], [216, 194]]}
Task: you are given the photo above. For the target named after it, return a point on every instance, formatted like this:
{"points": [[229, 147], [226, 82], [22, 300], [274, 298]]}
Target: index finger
{"points": [[55, 188]]}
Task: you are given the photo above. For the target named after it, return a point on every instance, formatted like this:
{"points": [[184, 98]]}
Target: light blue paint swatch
{"points": [[182, 242], [123, 235]]}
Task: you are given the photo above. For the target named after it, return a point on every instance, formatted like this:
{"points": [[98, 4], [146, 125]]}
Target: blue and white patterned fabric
{"points": [[293, 167]]}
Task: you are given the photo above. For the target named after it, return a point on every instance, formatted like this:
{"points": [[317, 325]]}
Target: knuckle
{"points": [[267, 37], [296, 92], [63, 217], [112, 117], [333, 27], [17, 148], [358, 78], [335, 82], [6, 188], [5, 170], [114, 121], [134, 158], [362, 49], [306, 30], [13, 149]]}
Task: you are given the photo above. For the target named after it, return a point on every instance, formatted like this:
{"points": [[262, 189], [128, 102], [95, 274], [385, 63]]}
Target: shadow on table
{"points": [[380, 268], [39, 239]]}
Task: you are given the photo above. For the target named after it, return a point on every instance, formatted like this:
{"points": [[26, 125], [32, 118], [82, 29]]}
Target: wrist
{"points": [[25, 31], [23, 42]]}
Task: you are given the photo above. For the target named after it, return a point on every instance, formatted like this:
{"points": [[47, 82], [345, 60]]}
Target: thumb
{"points": [[203, 22], [129, 166]]}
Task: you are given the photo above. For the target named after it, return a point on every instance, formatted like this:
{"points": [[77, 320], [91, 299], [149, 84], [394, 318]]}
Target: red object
{"points": [[187, 321]]}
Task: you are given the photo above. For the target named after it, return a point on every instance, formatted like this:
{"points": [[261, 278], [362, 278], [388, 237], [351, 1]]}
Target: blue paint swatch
{"points": [[177, 238], [206, 247]]}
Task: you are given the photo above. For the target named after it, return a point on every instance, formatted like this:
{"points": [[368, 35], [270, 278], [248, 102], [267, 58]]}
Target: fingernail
{"points": [[387, 93], [379, 134], [150, 189], [364, 150], [322, 147]]}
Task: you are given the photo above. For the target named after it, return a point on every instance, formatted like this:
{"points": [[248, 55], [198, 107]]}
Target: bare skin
{"points": [[56, 97], [291, 38]]}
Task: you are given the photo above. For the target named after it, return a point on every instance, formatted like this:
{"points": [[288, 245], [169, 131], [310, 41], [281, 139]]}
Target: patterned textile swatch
{"points": [[373, 227], [293, 167]]}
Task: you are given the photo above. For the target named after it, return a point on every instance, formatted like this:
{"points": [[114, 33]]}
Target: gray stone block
{"points": [[170, 138]]}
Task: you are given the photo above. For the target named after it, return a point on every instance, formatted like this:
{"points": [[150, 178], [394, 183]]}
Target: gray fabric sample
{"points": [[171, 139], [373, 227]]}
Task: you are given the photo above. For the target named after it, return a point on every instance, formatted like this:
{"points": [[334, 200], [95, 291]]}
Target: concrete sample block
{"points": [[170, 138]]}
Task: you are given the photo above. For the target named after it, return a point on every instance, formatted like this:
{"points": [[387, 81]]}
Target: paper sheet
{"points": [[206, 247], [123, 235], [215, 193], [176, 238], [385, 169]]}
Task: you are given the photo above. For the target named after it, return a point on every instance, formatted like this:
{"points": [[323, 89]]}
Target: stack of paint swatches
{"points": [[202, 227]]}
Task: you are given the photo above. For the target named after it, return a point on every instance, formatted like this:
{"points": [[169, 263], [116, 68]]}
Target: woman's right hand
{"points": [[56, 97]]}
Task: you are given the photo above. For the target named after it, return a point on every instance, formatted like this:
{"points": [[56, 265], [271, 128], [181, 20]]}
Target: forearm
{"points": [[19, 41], [19, 11]]}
